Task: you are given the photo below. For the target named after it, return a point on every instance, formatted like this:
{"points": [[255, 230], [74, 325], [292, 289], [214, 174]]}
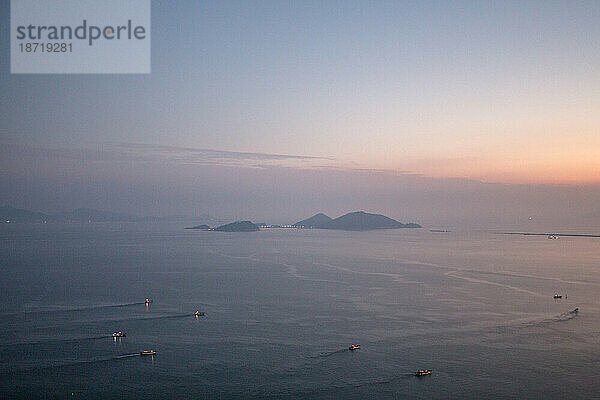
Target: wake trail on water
{"points": [[519, 275], [112, 305], [81, 362], [50, 341], [170, 316], [540, 322], [329, 353], [457, 275], [290, 269], [74, 309], [566, 316], [93, 322]]}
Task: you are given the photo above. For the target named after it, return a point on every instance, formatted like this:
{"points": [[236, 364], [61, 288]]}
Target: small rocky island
{"points": [[203, 227], [240, 226]]}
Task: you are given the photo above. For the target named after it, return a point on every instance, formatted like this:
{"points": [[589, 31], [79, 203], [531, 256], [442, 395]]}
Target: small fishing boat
{"points": [[423, 372], [147, 353], [199, 313], [354, 347], [558, 296], [119, 334]]}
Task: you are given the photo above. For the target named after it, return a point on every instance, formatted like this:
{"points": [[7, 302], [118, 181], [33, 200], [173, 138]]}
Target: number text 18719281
{"points": [[40, 47]]}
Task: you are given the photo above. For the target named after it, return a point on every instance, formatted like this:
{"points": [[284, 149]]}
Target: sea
{"points": [[282, 306]]}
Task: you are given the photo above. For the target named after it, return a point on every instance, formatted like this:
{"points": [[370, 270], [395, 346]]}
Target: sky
{"points": [[428, 110]]}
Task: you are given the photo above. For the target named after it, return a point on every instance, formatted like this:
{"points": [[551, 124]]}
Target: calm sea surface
{"points": [[282, 307]]}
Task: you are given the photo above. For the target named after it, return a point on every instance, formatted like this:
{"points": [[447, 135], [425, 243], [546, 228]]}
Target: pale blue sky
{"points": [[493, 91]]}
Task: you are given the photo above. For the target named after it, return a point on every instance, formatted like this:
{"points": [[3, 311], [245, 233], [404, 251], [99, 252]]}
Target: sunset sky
{"points": [[498, 93]]}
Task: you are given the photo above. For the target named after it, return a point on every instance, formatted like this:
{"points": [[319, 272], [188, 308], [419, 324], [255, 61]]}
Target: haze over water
{"points": [[478, 117], [282, 307]]}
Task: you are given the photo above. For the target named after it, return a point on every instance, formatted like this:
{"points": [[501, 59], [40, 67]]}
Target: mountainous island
{"points": [[354, 221]]}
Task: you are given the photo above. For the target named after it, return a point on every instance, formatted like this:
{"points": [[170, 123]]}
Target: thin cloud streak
{"points": [[141, 153]]}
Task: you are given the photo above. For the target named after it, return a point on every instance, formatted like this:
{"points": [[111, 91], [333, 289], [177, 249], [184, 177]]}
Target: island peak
{"points": [[353, 221], [239, 226]]}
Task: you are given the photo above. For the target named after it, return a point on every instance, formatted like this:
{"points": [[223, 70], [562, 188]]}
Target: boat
{"points": [[423, 372], [354, 347], [575, 311], [558, 296], [147, 353], [148, 301], [119, 334], [199, 313]]}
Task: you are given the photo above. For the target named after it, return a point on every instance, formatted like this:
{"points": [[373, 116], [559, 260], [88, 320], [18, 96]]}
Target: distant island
{"points": [[10, 214], [203, 227], [354, 221], [240, 226]]}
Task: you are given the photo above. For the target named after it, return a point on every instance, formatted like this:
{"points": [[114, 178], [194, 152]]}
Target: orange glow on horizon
{"points": [[508, 171]]}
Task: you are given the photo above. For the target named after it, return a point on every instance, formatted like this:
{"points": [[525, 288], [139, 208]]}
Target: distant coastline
{"points": [[550, 234], [9, 215]]}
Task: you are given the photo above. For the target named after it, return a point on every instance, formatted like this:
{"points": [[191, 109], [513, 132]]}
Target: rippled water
{"points": [[282, 307]]}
